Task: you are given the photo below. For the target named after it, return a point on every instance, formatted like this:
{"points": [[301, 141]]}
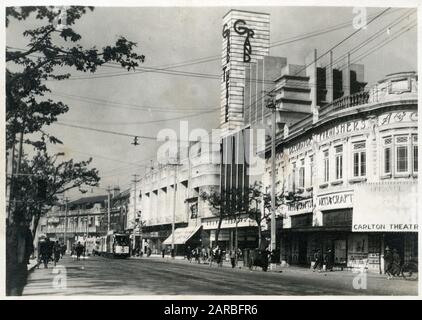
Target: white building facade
{"points": [[352, 168]]}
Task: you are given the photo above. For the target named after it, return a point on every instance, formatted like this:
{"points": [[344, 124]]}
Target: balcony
{"points": [[346, 102], [71, 229]]}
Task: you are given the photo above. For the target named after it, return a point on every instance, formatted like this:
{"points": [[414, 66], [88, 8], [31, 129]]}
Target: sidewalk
{"points": [[278, 268], [32, 264]]}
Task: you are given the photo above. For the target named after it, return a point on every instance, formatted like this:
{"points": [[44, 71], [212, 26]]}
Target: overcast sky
{"points": [[168, 36]]}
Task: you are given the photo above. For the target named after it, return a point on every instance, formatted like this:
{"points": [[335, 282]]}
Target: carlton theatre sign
{"points": [[384, 207]]}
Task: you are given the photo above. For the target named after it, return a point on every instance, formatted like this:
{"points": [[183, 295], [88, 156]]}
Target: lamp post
{"points": [[271, 105]]}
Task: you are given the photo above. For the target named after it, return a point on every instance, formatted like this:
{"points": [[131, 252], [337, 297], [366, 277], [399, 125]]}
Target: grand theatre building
{"points": [[350, 169]]}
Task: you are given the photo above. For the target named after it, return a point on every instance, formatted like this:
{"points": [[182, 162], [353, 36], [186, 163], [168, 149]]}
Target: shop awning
{"points": [[181, 235]]}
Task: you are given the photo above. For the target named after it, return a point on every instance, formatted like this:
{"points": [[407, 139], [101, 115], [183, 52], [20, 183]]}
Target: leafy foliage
{"points": [[49, 50]]}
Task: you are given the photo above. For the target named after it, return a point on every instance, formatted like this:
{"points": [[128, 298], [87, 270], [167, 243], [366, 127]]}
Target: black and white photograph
{"points": [[222, 149]]}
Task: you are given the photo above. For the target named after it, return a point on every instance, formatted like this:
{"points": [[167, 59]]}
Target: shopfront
{"points": [[385, 215], [247, 232]]}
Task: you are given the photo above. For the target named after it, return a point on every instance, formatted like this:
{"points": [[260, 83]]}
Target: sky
{"points": [[144, 103]]}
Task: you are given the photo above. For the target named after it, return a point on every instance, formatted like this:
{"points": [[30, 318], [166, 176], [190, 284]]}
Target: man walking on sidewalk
{"points": [[318, 260]]}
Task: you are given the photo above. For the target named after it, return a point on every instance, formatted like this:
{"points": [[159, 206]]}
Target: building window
{"points": [[302, 174], [387, 155], [415, 153], [359, 159], [311, 169], [339, 162], [326, 167], [402, 154], [294, 177]]}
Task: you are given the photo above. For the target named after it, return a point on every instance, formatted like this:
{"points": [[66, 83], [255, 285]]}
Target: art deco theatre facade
{"points": [[346, 153]]}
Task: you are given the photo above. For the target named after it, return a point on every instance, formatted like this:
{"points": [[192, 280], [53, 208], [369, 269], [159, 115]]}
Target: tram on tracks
{"points": [[115, 245]]}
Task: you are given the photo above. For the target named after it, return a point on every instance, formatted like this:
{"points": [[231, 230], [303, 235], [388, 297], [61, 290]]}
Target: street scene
{"points": [[190, 151], [158, 276]]}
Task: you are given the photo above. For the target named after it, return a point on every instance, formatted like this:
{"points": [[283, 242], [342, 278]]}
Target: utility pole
{"points": [[135, 181], [108, 208], [66, 200], [173, 222], [271, 105]]}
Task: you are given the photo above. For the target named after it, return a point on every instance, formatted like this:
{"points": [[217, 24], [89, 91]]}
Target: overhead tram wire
{"points": [[106, 158], [373, 37], [354, 49], [166, 70], [375, 48], [131, 106], [116, 132], [264, 94]]}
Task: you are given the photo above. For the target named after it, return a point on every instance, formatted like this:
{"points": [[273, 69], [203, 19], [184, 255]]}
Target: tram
{"points": [[114, 245]]}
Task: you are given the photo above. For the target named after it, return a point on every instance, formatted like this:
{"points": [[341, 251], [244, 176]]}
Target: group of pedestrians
{"points": [[320, 260], [50, 251], [392, 262], [77, 250]]}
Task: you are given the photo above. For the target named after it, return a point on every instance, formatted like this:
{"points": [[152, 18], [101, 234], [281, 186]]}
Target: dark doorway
{"points": [[395, 242], [303, 252]]}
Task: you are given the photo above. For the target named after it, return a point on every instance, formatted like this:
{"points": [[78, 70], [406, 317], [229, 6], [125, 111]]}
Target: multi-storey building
{"points": [[86, 217], [170, 193], [341, 149], [77, 220], [352, 166]]}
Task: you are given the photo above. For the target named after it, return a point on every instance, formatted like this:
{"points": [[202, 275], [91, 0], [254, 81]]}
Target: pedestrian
{"points": [[63, 249], [214, 255], [329, 260], [203, 254], [79, 250], [163, 252], [189, 253], [388, 262], [197, 255], [44, 252], [149, 251], [396, 265], [56, 252], [50, 245], [220, 254], [318, 260], [233, 258]]}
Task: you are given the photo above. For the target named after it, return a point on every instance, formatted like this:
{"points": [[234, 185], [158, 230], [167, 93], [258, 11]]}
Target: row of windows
{"points": [[403, 146], [403, 161]]}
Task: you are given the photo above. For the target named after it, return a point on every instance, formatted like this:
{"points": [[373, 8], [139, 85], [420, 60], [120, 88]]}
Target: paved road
{"points": [[147, 276]]}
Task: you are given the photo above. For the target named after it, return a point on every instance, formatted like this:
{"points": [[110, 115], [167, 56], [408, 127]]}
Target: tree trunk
{"points": [[35, 226], [217, 232]]}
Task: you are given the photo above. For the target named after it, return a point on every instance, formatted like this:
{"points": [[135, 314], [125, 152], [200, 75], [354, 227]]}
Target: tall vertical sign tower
{"points": [[246, 38]]}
